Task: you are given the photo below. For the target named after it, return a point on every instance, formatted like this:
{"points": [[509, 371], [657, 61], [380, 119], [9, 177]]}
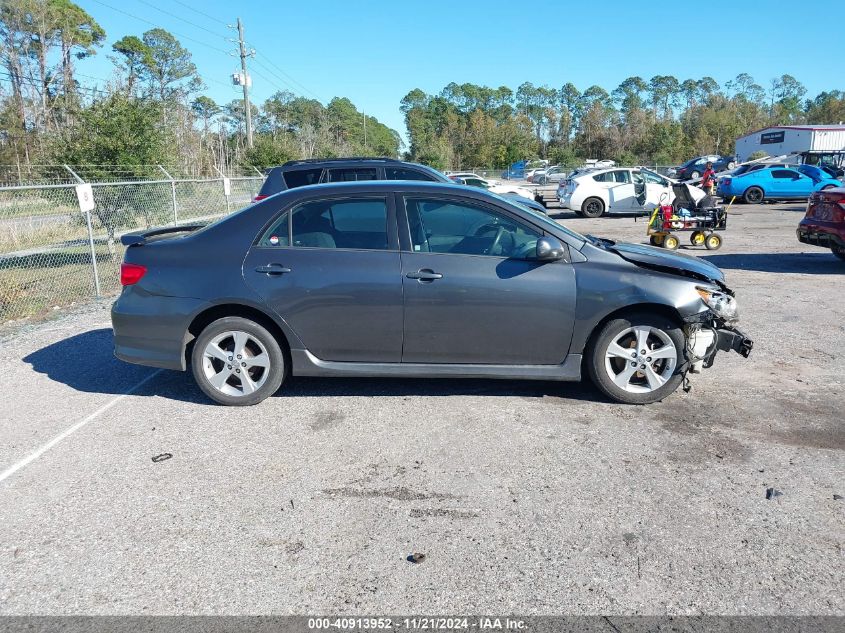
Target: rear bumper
{"points": [[152, 330], [817, 234]]}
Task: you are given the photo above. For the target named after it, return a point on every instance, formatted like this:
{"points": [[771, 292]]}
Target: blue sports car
{"points": [[776, 184]]}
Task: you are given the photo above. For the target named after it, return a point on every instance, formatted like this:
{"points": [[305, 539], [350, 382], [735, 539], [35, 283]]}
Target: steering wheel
{"points": [[486, 227], [499, 233]]}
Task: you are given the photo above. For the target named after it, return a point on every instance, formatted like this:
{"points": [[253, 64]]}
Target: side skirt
{"points": [[306, 364]]}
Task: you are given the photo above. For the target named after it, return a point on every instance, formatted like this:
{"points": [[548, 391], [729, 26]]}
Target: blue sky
{"points": [[376, 51]]}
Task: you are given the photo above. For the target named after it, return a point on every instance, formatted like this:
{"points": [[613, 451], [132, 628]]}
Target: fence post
{"points": [[225, 194], [172, 193], [97, 292]]}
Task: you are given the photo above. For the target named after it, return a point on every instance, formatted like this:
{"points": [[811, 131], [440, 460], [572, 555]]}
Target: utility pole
{"points": [[246, 82]]}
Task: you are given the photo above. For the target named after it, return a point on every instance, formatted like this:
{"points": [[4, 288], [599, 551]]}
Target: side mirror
{"points": [[548, 249]]}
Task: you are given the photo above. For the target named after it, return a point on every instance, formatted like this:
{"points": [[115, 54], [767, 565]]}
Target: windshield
{"points": [[540, 217]]}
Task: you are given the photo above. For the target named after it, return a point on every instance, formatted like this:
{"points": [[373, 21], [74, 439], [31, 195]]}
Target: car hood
{"points": [[668, 261]]}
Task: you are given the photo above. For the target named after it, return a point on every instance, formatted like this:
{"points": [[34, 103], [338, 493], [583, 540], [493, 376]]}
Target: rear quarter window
{"points": [[302, 177]]}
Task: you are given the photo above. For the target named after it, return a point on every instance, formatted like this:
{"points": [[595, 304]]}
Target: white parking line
{"points": [[73, 429]]}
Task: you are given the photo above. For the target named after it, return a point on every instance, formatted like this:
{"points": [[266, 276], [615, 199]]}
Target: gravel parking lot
{"points": [[525, 497]]}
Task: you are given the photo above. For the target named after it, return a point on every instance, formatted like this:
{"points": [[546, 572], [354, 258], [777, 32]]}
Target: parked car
{"points": [[824, 223], [492, 186], [530, 174], [552, 175], [533, 205], [776, 184], [693, 168], [298, 173], [749, 167], [594, 192], [415, 280]]}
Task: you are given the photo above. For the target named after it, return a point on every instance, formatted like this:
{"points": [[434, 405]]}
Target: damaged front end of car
{"points": [[714, 329]]}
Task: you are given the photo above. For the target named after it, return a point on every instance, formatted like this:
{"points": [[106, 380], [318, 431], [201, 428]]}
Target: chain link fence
{"points": [[53, 256]]}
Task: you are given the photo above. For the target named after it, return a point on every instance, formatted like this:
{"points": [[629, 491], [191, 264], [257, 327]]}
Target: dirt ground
{"points": [[526, 497]]}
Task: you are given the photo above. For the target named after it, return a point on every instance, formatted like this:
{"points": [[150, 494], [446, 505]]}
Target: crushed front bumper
{"points": [[729, 339]]}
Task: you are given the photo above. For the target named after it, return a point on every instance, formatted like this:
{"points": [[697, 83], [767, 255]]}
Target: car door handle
{"points": [[273, 269], [424, 274]]}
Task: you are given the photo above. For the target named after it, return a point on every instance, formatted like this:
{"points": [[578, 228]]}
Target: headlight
{"points": [[719, 302]]}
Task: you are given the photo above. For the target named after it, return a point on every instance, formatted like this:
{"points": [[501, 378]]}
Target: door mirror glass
{"points": [[548, 249]]}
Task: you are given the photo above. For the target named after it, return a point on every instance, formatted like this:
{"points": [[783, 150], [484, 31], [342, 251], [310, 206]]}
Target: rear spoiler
{"points": [[139, 239]]}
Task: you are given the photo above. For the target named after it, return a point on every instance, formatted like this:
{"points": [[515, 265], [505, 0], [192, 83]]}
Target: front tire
{"points": [[237, 362], [637, 358], [592, 208], [753, 195]]}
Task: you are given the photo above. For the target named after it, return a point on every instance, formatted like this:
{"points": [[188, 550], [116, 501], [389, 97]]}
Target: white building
{"points": [[793, 139]]}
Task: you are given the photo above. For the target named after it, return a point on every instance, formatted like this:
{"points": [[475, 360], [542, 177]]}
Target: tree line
{"points": [[662, 120], [153, 110]]}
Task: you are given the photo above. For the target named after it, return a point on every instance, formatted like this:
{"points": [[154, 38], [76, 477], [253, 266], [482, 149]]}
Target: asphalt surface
{"points": [[525, 497]]}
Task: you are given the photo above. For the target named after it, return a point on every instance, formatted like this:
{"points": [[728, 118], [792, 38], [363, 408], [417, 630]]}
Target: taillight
{"points": [[131, 273], [259, 198]]}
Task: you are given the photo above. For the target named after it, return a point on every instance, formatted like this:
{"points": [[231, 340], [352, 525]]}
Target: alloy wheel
{"points": [[641, 359], [236, 363]]}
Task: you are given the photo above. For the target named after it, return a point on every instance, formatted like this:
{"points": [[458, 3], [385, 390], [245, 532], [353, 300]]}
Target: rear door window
{"points": [[359, 223], [352, 174], [604, 177], [301, 177]]}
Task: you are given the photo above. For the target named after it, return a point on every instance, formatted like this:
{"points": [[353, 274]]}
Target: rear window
{"points": [[301, 177], [402, 173]]}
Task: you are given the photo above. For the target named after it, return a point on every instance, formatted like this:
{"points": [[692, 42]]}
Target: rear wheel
{"points": [[237, 362], [713, 242], [731, 165], [694, 175], [753, 195], [839, 251], [592, 208], [697, 238], [637, 359], [656, 240]]}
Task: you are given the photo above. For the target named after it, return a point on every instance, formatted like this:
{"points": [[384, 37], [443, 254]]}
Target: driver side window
{"points": [[449, 226]]}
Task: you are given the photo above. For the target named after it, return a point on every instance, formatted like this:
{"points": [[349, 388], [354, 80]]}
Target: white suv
{"points": [[619, 190]]}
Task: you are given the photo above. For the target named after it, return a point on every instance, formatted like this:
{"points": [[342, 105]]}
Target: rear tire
{"points": [[593, 208], [694, 175], [237, 362], [753, 195], [610, 365], [713, 242]]}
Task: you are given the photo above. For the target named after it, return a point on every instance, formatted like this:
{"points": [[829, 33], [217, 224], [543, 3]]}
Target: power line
{"points": [[173, 15], [210, 17], [311, 92], [126, 13]]}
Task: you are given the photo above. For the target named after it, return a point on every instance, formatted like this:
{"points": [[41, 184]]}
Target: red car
{"points": [[824, 223]]}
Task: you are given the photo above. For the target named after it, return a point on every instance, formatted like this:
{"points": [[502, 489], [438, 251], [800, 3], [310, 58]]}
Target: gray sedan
{"points": [[414, 279]]}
